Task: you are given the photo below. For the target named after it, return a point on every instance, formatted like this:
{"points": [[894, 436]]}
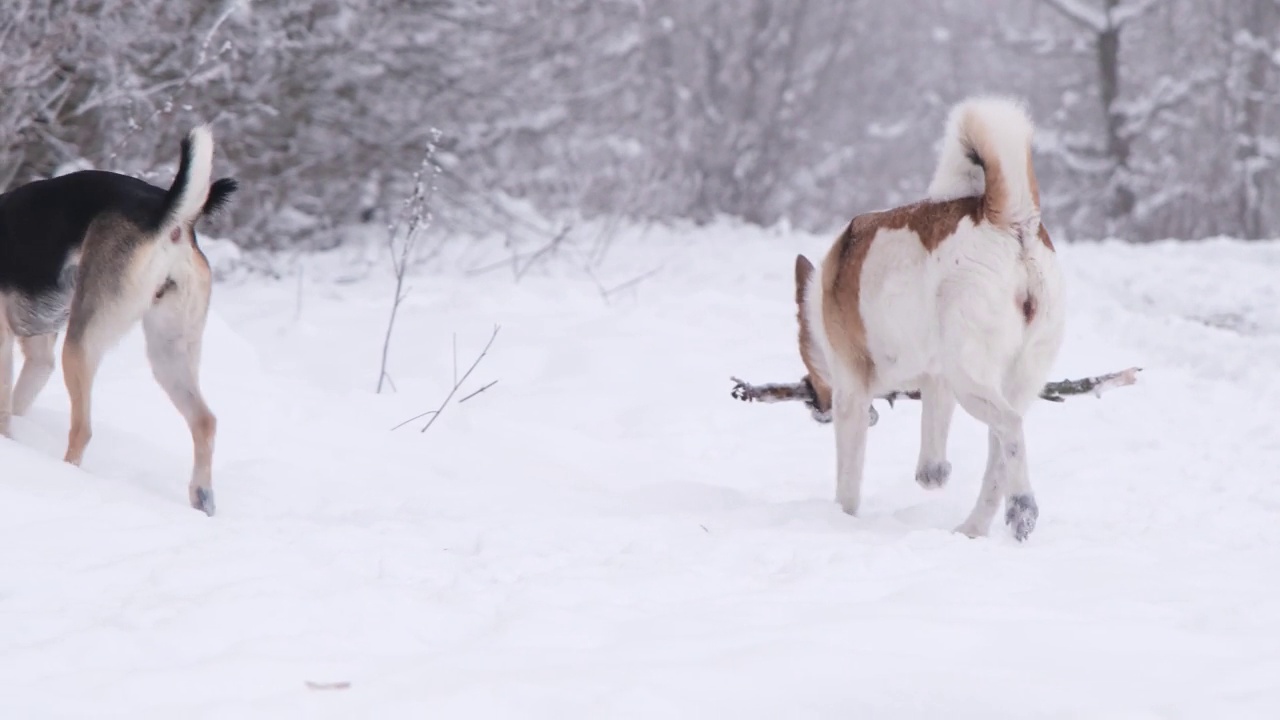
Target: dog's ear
{"points": [[804, 269], [809, 353]]}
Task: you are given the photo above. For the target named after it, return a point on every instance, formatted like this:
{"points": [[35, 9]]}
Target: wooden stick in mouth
{"points": [[803, 392]]}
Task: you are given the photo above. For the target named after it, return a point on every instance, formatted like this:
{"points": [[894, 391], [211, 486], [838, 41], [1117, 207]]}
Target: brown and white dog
{"points": [[958, 295], [97, 252]]}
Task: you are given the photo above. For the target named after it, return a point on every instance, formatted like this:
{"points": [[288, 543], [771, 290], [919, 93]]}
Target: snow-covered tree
{"points": [[1157, 117]]}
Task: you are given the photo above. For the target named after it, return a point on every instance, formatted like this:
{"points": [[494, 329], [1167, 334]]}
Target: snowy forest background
{"points": [[1158, 118]]}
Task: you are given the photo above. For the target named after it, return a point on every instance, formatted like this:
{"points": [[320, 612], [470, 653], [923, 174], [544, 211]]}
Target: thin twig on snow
{"points": [[457, 383], [336, 685], [486, 387]]}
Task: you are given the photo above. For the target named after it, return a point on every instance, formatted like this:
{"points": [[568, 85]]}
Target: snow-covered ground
{"points": [[605, 533]]}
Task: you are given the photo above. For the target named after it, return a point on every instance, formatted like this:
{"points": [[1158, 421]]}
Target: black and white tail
{"points": [[193, 193]]}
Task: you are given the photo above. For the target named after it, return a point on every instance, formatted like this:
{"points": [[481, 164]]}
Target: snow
{"points": [[606, 533]]}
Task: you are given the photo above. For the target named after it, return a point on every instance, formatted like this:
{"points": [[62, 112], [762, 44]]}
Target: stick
{"points": [[339, 685], [803, 391], [486, 387], [457, 383], [1059, 391]]}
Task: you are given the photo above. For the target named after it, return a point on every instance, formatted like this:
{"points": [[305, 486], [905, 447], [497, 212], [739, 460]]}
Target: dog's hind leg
{"points": [[6, 374], [37, 366], [106, 305], [81, 355], [174, 327]]}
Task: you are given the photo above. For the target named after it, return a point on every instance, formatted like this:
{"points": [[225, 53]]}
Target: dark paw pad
{"points": [[1020, 514], [202, 500], [933, 475]]}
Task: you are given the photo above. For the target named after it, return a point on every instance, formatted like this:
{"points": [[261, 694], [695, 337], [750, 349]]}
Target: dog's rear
{"points": [[959, 296], [131, 249]]}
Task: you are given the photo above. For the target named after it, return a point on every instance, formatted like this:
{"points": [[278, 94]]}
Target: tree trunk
{"points": [[1118, 146], [1259, 22]]}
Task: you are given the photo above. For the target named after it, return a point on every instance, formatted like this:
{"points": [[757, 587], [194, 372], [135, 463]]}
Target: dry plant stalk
{"points": [[416, 217]]}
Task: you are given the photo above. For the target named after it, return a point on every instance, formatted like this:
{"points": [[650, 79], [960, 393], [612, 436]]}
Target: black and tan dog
{"points": [[97, 252]]}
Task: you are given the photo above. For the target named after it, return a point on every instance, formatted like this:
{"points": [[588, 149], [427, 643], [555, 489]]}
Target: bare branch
{"points": [[1098, 20], [803, 391], [1164, 94], [1087, 17], [482, 389], [1059, 391], [180, 86], [336, 685], [549, 248], [1132, 11], [435, 414], [606, 293]]}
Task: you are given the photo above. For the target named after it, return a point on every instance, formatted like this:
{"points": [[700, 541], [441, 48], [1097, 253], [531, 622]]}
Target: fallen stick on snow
{"points": [[803, 391], [457, 383], [339, 685]]}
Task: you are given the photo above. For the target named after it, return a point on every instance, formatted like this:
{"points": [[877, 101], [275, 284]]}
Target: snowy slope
{"points": [[605, 533]]}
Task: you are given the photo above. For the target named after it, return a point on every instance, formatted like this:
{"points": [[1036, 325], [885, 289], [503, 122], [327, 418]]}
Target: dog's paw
{"points": [[202, 500], [933, 475], [1021, 513], [849, 501], [970, 530]]}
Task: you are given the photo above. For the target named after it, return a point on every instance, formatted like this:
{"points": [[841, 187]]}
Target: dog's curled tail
{"points": [[193, 193], [986, 152]]}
